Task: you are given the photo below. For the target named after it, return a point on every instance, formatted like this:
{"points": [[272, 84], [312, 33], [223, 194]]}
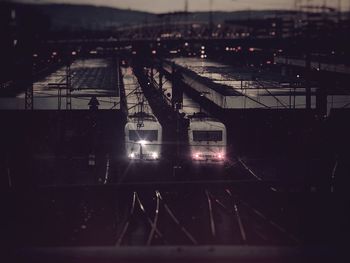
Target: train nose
{"points": [[155, 155]]}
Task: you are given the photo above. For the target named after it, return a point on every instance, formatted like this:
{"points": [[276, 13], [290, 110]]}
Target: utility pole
{"points": [[308, 61], [307, 79], [339, 12], [202, 95], [211, 18], [160, 76], [28, 100], [176, 102], [186, 18], [118, 76], [177, 97], [68, 87]]}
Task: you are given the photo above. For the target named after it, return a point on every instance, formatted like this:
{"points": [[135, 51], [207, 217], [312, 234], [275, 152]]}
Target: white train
{"points": [[143, 137], [207, 139], [207, 136], [143, 132]]}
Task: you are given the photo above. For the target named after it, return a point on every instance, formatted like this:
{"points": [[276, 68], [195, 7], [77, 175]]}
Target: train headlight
{"points": [[155, 155], [142, 142], [220, 156], [132, 155]]}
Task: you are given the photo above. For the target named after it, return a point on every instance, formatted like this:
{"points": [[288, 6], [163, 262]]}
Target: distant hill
{"points": [[220, 16], [91, 17], [85, 17]]}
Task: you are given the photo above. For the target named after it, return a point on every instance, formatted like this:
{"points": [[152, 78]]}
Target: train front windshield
{"points": [[144, 135], [207, 136]]}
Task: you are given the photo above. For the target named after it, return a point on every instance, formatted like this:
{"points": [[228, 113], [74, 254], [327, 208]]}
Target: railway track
{"points": [[153, 231], [251, 225], [230, 220]]}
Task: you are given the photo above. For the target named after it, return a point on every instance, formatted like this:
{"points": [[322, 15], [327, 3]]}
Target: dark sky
{"points": [[159, 6]]}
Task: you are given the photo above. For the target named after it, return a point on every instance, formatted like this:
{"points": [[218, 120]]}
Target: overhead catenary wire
{"points": [[49, 95], [268, 91]]}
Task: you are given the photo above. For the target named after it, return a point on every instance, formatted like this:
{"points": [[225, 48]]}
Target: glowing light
{"points": [[155, 155], [202, 47], [196, 156], [13, 14], [220, 156], [132, 155], [142, 142], [154, 52]]}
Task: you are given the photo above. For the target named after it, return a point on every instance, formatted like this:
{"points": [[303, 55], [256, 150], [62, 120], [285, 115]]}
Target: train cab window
{"points": [[207, 136], [147, 135]]}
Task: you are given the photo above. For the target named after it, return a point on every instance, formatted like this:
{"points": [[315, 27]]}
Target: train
{"points": [[207, 136], [143, 132], [207, 139], [143, 137]]}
